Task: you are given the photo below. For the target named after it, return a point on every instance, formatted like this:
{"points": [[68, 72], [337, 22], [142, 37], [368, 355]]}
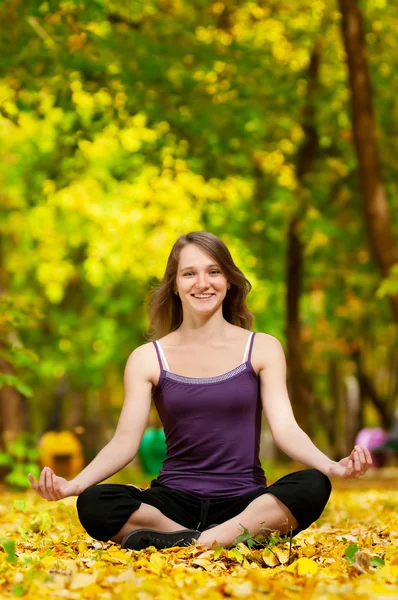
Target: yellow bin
{"points": [[62, 451]]}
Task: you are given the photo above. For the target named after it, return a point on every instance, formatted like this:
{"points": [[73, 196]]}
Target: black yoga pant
{"points": [[104, 509]]}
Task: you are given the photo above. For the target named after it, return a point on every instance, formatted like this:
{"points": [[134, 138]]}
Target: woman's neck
{"points": [[214, 328]]}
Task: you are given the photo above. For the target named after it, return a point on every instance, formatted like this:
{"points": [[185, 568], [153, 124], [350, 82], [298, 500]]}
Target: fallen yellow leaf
{"points": [[389, 573], [303, 566], [269, 558], [156, 563], [81, 580], [205, 563], [237, 589], [243, 549], [283, 555], [234, 554]]}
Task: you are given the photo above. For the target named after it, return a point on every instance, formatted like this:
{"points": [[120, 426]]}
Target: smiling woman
{"points": [[166, 310], [210, 401]]}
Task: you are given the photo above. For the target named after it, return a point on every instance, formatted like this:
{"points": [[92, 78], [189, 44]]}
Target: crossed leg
{"points": [[263, 512], [146, 517]]}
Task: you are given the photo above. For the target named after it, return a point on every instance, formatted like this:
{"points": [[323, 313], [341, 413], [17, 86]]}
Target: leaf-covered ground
{"points": [[352, 551]]}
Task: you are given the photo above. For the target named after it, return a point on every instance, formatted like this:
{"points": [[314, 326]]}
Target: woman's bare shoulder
{"points": [[143, 350], [266, 339], [267, 351], [144, 359]]}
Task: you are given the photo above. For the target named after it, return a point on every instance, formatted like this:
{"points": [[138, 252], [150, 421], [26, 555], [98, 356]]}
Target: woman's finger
{"points": [[42, 479], [56, 487], [365, 457], [357, 462], [51, 488], [368, 456], [46, 487], [364, 461], [360, 454], [35, 485], [32, 481], [349, 468], [49, 481]]}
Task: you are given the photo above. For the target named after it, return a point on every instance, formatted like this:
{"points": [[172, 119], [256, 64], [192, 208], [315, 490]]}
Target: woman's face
{"points": [[200, 283]]}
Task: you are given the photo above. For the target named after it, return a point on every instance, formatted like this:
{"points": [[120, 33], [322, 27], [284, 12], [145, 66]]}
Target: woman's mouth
{"points": [[202, 297]]}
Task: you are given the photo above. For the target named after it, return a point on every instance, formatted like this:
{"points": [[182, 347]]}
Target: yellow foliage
{"points": [[270, 559], [303, 566], [68, 563]]}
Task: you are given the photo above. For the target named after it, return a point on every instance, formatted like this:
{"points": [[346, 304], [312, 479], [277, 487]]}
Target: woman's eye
{"points": [[212, 272]]}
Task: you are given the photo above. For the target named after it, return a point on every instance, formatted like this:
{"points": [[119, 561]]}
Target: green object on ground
{"points": [[152, 450]]}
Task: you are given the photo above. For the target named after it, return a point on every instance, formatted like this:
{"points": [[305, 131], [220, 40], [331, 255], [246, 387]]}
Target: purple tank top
{"points": [[212, 427]]}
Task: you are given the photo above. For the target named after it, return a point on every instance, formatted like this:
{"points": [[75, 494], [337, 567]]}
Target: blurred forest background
{"points": [[273, 124]]}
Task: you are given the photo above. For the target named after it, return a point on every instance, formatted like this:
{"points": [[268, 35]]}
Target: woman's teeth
{"points": [[202, 296]]}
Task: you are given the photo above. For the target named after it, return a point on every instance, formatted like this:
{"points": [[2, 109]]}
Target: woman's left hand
{"points": [[354, 465]]}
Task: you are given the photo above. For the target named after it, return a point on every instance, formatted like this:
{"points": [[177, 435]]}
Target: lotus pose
{"points": [[211, 379]]}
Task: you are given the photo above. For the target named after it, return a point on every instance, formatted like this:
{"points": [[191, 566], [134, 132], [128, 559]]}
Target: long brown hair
{"points": [[164, 307]]}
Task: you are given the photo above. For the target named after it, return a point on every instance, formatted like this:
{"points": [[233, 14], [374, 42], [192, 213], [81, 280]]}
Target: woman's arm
{"points": [[124, 445], [288, 436]]}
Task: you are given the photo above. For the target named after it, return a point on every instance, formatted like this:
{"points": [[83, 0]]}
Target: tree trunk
{"points": [[353, 400], [296, 379], [377, 217], [298, 382], [369, 391], [13, 414], [54, 418], [12, 411], [337, 417]]}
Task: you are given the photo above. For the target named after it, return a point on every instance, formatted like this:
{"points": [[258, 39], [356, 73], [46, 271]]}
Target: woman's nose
{"points": [[203, 281]]}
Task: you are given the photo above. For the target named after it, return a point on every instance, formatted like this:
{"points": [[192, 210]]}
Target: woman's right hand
{"points": [[51, 487]]}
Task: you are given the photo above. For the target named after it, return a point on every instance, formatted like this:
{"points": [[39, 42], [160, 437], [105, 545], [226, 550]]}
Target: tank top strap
{"points": [[161, 357], [249, 347]]}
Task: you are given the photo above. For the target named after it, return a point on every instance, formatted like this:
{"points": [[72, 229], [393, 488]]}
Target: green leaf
{"points": [[33, 454], [351, 551], [19, 505], [260, 539], [376, 561], [17, 448], [32, 468], [236, 555], [5, 459], [18, 590], [243, 537], [9, 548], [218, 552], [389, 286], [13, 381], [17, 479]]}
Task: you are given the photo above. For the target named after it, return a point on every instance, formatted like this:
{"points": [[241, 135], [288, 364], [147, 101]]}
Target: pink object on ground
{"points": [[371, 437]]}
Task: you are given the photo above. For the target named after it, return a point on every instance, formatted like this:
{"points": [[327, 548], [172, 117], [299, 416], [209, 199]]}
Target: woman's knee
{"points": [[86, 500], [86, 505], [319, 492], [103, 509], [320, 484]]}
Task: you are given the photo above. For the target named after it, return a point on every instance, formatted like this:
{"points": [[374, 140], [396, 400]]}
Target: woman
{"points": [[211, 379]]}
